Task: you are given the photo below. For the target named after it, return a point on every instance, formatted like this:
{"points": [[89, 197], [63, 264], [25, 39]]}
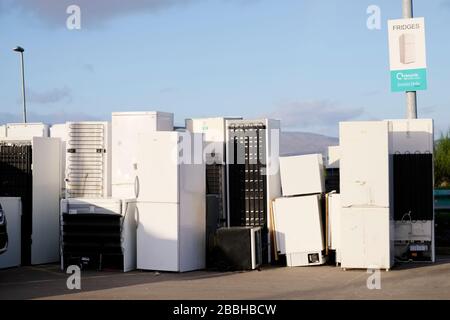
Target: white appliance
{"points": [[334, 224], [3, 131], [364, 165], [126, 128], [60, 131], [302, 175], [12, 208], [214, 150], [170, 203], [366, 191], [367, 238], [407, 44], [42, 173], [88, 159], [415, 137], [253, 153], [86, 209], [298, 229], [214, 136], [333, 156], [26, 130]]}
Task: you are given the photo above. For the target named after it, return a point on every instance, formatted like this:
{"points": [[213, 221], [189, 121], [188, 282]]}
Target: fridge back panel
{"points": [[88, 160], [413, 187], [412, 135]]}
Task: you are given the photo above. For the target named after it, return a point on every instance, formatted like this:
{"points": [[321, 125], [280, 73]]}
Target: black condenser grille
{"points": [[96, 236], [332, 180], [413, 186], [16, 180], [247, 178]]}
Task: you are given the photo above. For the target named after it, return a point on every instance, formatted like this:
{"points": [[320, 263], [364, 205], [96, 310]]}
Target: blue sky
{"points": [[311, 63]]}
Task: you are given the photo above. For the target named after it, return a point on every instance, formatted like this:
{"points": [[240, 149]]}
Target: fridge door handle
{"points": [[136, 187], [136, 210]]}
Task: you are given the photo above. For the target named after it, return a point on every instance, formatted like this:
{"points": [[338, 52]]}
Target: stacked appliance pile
{"points": [[29, 170], [214, 151], [96, 231], [248, 153], [298, 215], [386, 209], [154, 164]]}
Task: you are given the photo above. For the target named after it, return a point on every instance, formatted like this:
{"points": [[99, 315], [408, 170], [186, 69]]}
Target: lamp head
{"points": [[19, 49]]}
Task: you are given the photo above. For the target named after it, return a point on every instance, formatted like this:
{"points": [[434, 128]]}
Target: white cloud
{"points": [[93, 12], [51, 96], [321, 116], [49, 118]]}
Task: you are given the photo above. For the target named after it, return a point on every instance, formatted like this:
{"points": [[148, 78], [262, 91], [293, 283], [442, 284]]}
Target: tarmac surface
{"points": [[407, 281]]}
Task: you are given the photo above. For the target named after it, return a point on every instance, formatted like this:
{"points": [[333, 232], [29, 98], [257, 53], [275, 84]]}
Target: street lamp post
{"points": [[21, 51]]}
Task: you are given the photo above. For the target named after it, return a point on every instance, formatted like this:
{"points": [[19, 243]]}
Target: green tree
{"points": [[442, 161]]}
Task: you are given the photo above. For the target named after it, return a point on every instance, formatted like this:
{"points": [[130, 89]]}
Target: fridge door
{"points": [[364, 165], [157, 167], [126, 127], [192, 217], [45, 219], [129, 235], [157, 236], [366, 235]]}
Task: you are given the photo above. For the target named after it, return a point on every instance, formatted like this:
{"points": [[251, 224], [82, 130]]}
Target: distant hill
{"points": [[297, 143]]}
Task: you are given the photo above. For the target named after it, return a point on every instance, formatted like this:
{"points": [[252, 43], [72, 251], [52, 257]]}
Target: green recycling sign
{"points": [[409, 80]]}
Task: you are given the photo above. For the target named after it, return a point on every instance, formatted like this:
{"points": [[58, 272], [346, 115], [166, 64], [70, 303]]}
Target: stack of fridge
{"points": [[366, 188], [387, 192], [158, 167], [298, 214], [29, 169], [253, 177], [214, 151]]}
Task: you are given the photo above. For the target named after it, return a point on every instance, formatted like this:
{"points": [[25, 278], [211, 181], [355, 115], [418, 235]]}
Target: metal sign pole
{"points": [[411, 97]]}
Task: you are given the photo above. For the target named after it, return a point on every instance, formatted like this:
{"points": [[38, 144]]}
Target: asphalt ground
{"points": [[407, 281]]}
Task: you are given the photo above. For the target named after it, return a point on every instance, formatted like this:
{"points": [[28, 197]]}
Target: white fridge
{"points": [[170, 207], [367, 224], [126, 128]]}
